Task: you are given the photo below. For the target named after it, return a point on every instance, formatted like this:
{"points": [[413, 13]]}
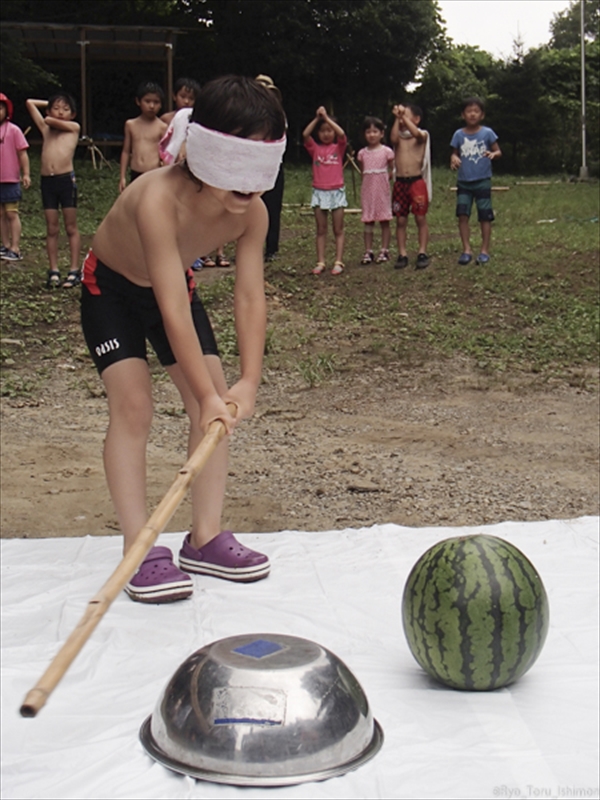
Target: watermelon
{"points": [[475, 612]]}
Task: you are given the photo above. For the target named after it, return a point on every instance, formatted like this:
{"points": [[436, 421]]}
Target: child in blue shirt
{"points": [[474, 147]]}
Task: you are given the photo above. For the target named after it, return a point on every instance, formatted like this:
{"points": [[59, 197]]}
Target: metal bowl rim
{"points": [[213, 776]]}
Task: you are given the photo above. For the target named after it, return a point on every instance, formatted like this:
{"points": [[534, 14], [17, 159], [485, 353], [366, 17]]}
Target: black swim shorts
{"points": [[117, 317], [59, 190]]}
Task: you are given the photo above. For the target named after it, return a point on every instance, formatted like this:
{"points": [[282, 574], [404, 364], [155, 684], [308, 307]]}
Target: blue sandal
{"points": [[465, 259], [482, 258], [53, 279], [72, 280]]}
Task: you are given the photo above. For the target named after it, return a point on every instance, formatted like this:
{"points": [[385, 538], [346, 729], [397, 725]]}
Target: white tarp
{"points": [[342, 589]]}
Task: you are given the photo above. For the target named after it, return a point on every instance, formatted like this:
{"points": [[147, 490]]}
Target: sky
{"points": [[493, 25]]}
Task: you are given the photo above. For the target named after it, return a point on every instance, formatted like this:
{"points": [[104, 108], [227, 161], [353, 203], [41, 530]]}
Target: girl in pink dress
{"points": [[376, 163]]}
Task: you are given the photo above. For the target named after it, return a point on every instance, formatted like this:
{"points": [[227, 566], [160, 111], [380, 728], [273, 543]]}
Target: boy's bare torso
{"points": [[166, 206], [145, 135], [57, 151], [409, 155]]}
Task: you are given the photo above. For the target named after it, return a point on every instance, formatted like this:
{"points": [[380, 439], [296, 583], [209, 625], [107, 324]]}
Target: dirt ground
{"points": [[432, 445]]}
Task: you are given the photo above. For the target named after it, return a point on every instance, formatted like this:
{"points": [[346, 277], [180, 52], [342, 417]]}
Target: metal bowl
{"points": [[262, 710]]}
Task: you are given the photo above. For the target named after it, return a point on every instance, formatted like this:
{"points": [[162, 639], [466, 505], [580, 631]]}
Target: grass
{"points": [[533, 310]]}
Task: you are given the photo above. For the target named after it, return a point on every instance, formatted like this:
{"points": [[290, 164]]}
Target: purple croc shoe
{"points": [[224, 557], [158, 580]]}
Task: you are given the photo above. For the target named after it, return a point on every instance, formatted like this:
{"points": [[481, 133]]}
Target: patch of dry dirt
{"points": [[433, 445]]}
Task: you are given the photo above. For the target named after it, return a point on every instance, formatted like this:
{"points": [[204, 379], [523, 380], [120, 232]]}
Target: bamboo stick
{"points": [[494, 188], [99, 604]]}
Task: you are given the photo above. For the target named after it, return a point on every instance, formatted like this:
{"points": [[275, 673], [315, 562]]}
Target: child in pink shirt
{"points": [[13, 161], [329, 194]]}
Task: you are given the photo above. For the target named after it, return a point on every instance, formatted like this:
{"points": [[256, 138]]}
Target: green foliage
{"points": [[451, 75], [341, 53], [18, 72], [101, 12], [561, 90], [538, 105], [533, 310], [315, 369], [566, 25], [533, 102], [352, 55]]}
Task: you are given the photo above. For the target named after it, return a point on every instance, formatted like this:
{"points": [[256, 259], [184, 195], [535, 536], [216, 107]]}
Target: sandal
{"points": [[384, 255], [367, 258], [464, 259], [208, 262], [221, 261], [338, 268], [72, 280], [158, 580], [53, 280], [319, 268], [224, 557]]}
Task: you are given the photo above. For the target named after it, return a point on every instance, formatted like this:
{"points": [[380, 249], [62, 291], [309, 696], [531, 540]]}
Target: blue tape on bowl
{"points": [[259, 648], [245, 721]]}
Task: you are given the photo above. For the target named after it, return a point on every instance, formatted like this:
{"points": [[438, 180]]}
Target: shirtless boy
{"points": [[136, 285], [142, 134], [60, 135], [185, 92], [410, 192]]}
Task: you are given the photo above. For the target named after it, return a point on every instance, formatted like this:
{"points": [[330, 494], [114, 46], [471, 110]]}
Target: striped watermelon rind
{"points": [[475, 612]]}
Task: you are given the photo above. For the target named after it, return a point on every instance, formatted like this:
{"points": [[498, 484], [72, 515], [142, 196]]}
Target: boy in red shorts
{"points": [[412, 187]]}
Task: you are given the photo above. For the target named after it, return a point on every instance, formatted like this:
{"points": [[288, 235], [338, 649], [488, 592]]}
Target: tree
{"points": [[560, 73], [519, 115], [355, 56], [100, 12], [22, 75], [451, 75], [18, 72], [566, 25]]}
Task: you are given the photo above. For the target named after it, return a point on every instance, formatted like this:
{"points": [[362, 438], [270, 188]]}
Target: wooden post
{"points": [[169, 93], [83, 43]]}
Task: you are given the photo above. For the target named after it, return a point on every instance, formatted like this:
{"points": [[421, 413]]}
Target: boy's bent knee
{"points": [[134, 411]]}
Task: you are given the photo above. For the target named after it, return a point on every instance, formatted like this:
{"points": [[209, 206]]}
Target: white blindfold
{"points": [[220, 159]]}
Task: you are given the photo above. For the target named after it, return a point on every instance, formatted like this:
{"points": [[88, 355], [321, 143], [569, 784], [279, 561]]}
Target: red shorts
{"points": [[410, 194]]}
